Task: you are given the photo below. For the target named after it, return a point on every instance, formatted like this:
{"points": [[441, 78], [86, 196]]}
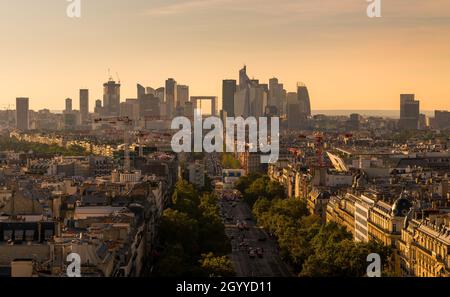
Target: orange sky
{"points": [[347, 60]]}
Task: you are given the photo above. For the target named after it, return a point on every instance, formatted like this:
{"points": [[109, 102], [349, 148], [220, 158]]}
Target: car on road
{"points": [[252, 253]]}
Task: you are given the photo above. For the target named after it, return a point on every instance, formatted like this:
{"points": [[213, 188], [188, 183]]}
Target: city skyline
{"points": [[405, 51]]}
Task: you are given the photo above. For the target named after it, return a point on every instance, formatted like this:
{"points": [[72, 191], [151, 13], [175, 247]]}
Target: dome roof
{"points": [[401, 206]]}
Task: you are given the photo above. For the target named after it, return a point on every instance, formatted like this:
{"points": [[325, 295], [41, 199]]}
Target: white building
{"points": [[362, 207]]}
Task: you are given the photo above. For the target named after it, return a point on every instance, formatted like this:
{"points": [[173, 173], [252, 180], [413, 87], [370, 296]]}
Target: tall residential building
{"points": [[111, 98], [84, 105], [171, 96], [182, 95], [409, 112], [228, 90], [68, 105], [22, 117], [303, 99]]}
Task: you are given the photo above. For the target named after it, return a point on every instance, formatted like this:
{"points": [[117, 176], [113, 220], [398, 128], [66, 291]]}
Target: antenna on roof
{"points": [[109, 75]]}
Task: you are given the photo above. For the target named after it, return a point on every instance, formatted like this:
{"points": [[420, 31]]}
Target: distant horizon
{"points": [[386, 113], [332, 46]]}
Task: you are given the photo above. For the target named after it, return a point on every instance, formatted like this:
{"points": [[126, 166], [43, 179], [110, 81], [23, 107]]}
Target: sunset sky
{"points": [[347, 60]]}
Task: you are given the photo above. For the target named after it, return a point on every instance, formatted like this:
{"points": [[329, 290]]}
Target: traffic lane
{"points": [[271, 263]]}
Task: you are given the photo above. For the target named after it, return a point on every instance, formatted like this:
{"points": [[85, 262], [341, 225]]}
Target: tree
{"points": [[244, 182], [212, 230], [186, 198], [217, 266], [178, 228]]}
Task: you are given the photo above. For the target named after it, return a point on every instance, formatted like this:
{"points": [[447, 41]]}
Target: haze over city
{"points": [[348, 60]]}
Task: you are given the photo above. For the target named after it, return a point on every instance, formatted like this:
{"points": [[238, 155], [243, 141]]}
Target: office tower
{"points": [[130, 109], [111, 98], [442, 119], [171, 96], [150, 90], [98, 106], [228, 90], [140, 91], [293, 116], [277, 95], [22, 120], [249, 97], [70, 120], [149, 106], [404, 100], [291, 98], [84, 105], [182, 95], [161, 93], [409, 112], [303, 99], [68, 105], [242, 95], [424, 122], [258, 99]]}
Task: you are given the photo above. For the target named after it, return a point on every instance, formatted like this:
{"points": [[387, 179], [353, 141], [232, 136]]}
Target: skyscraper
{"points": [[68, 105], [22, 120], [409, 112], [293, 116], [277, 95], [442, 119], [84, 105], [149, 106], [140, 91], [249, 99], [228, 90], [111, 98], [171, 96], [182, 95], [303, 99]]}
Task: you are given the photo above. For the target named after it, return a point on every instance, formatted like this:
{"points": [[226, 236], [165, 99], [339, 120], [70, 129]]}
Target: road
{"points": [[270, 265]]}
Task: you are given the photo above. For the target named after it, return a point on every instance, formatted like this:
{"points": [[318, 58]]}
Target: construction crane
{"points": [[126, 123]]}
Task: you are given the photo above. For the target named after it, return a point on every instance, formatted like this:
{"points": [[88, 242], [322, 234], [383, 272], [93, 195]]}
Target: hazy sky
{"points": [[347, 60]]}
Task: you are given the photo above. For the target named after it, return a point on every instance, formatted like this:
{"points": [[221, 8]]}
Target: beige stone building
{"points": [[424, 247]]}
